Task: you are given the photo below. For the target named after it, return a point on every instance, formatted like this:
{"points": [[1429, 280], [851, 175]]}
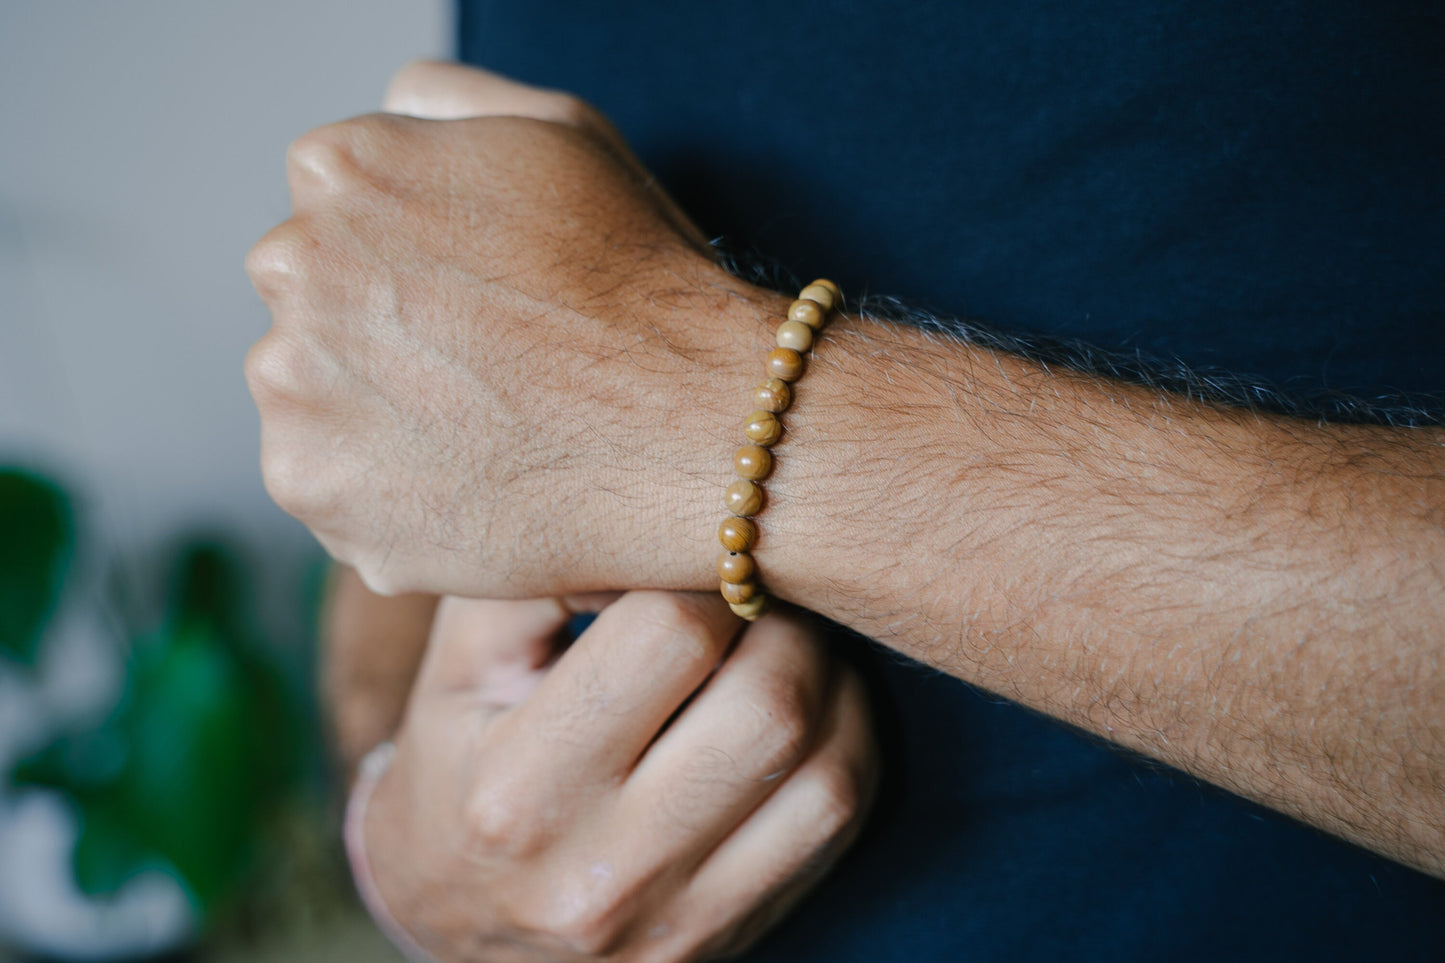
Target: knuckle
{"points": [[275, 368], [782, 723], [835, 799], [280, 260], [586, 912], [499, 820], [674, 612], [288, 477], [325, 155], [666, 618]]}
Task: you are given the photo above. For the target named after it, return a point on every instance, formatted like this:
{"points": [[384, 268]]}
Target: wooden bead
{"points": [[763, 428], [795, 335], [739, 593], [743, 498], [773, 395], [753, 461], [836, 291], [752, 609], [825, 296], [737, 534], [808, 312], [735, 567], [785, 364]]}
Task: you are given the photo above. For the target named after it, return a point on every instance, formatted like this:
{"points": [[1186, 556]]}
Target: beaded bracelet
{"points": [[753, 461]]}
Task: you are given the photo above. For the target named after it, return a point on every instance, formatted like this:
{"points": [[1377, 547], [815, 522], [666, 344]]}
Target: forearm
{"points": [[1251, 598], [498, 369], [371, 649]]}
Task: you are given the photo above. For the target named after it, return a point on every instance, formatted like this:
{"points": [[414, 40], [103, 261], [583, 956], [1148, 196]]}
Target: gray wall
{"points": [[141, 148], [141, 154]]}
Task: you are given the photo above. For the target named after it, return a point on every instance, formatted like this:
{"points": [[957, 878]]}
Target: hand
{"points": [[501, 362], [636, 800]]}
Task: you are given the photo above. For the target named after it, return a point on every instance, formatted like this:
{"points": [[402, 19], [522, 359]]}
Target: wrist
{"points": [[730, 324], [864, 500]]}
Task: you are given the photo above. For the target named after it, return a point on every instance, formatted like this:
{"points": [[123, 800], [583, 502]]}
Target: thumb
{"points": [[434, 90], [497, 651], [494, 651]]}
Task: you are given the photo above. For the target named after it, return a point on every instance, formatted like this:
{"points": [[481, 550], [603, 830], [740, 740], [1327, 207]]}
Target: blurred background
{"points": [[162, 787]]}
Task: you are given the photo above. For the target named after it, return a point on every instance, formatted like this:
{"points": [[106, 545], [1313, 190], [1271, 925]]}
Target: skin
{"points": [[1252, 599], [507, 357], [728, 813], [637, 797], [371, 651], [741, 782]]}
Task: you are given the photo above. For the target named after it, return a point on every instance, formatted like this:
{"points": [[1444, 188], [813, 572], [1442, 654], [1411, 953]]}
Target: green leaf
{"points": [[36, 540], [200, 747], [190, 784], [107, 855]]}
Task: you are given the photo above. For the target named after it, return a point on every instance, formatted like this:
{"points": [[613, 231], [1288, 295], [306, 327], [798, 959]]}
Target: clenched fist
{"points": [[501, 363]]}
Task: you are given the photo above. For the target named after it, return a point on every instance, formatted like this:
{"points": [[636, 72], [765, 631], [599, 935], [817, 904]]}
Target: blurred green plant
{"points": [[35, 549], [203, 744]]}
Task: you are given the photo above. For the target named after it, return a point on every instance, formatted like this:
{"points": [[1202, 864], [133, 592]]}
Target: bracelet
{"points": [[753, 461], [372, 768]]}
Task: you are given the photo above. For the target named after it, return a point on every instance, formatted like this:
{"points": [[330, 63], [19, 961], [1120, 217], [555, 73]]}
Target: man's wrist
{"points": [[701, 427], [863, 504]]}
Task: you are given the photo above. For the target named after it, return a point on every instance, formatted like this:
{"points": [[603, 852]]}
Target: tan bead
{"points": [[753, 461], [836, 291], [822, 294], [785, 364], [737, 534], [763, 428], [752, 609], [743, 498], [808, 312], [739, 593], [795, 335], [735, 567], [773, 395]]}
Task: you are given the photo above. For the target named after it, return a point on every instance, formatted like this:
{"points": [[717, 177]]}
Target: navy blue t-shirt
{"points": [[1255, 187]]}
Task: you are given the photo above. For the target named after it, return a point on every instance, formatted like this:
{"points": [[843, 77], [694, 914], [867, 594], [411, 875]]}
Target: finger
{"points": [[490, 651], [785, 848], [436, 90], [446, 91], [610, 694], [279, 263], [494, 651], [756, 720], [430, 89], [320, 163]]}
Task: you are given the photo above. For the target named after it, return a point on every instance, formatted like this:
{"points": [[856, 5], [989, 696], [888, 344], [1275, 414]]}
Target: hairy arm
{"points": [[1255, 599], [498, 368]]}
